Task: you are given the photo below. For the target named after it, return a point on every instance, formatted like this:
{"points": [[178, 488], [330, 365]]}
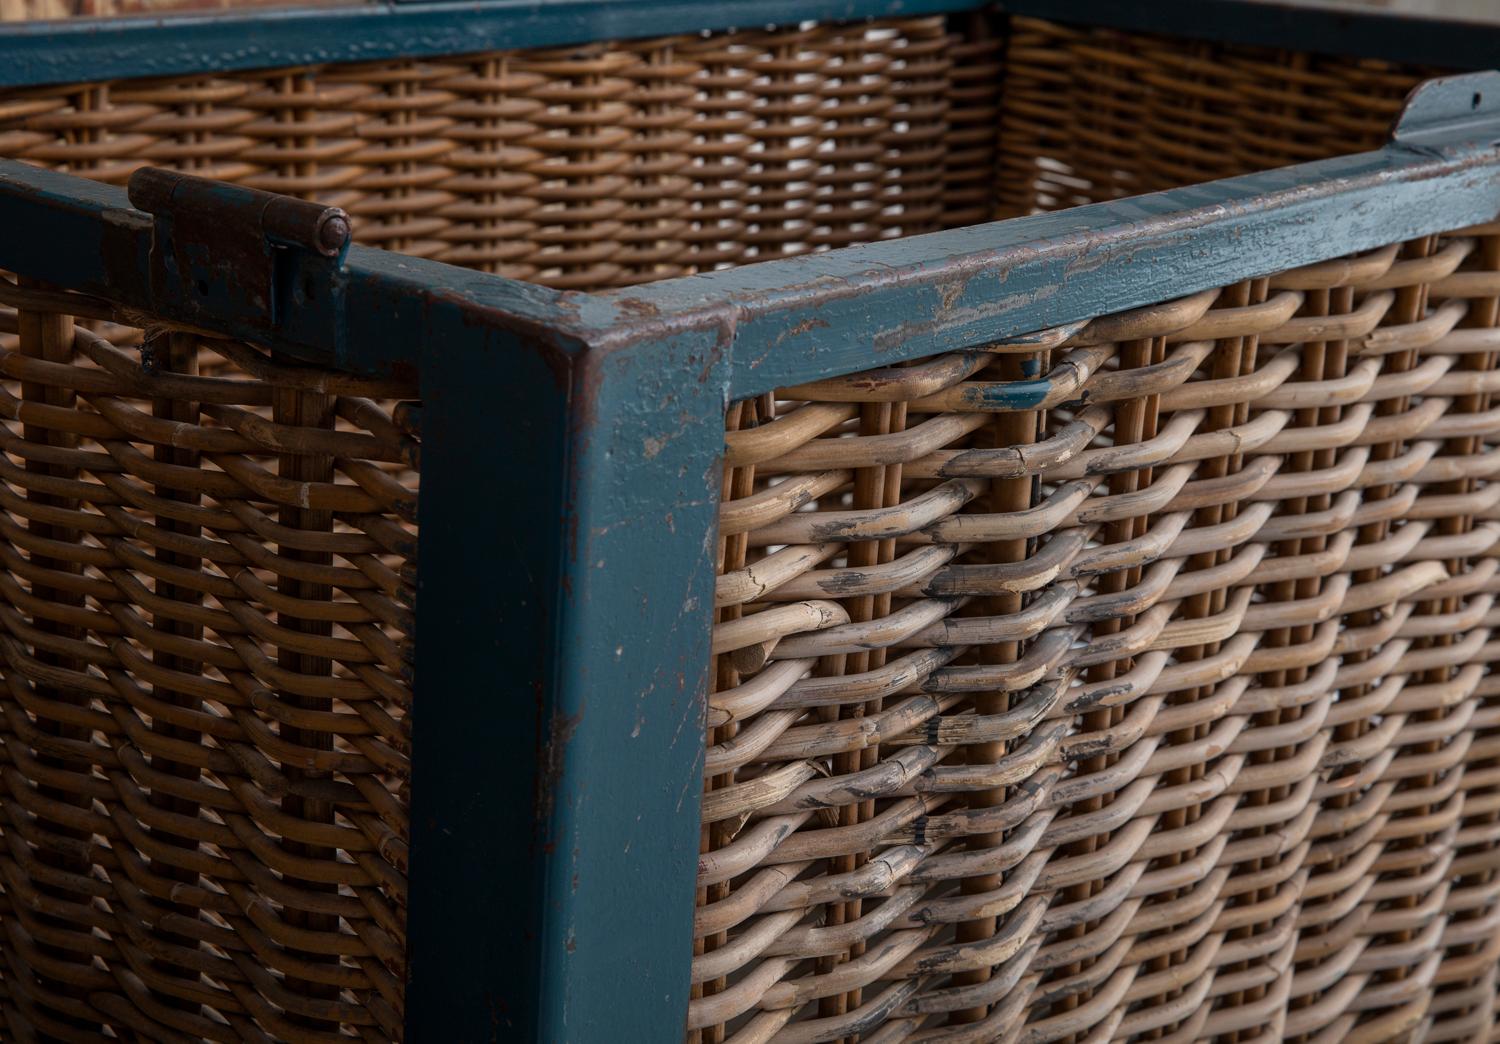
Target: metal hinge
{"points": [[226, 252]]}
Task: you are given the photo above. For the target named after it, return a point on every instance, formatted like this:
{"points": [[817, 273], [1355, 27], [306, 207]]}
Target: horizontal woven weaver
{"points": [[579, 167]]}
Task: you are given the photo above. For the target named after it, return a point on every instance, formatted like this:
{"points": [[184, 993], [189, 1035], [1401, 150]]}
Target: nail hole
{"points": [[1474, 102]]}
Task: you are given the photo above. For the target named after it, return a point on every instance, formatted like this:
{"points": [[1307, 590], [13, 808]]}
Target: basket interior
{"points": [[610, 164]]}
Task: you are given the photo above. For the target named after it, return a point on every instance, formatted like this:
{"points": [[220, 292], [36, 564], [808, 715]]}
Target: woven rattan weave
{"points": [[611, 164], [1096, 114], [203, 722], [1156, 708], [582, 167]]}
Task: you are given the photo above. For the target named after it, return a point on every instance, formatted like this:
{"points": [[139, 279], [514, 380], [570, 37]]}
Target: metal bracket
{"points": [[226, 251], [1451, 114]]}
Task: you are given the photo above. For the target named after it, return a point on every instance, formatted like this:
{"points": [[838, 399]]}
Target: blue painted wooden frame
{"points": [[93, 49], [131, 47], [571, 468]]}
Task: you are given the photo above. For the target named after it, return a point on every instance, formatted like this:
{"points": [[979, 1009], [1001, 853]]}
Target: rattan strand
{"points": [[617, 163], [1160, 711], [40, 10], [205, 612]]}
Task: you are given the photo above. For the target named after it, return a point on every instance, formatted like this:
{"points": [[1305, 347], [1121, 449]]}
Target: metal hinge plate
{"points": [[228, 252]]}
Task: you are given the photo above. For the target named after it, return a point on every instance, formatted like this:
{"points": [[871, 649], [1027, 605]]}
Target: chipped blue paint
{"points": [[563, 621], [566, 583], [1006, 395], [1447, 116]]}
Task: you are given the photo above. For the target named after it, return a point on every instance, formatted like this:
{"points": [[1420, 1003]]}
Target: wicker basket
{"points": [[1158, 709]]}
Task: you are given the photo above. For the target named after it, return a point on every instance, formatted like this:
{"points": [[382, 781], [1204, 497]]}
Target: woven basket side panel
{"points": [[205, 690], [1091, 115], [1160, 707], [582, 167]]}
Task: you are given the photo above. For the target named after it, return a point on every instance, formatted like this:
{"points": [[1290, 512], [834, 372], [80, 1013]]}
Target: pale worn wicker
{"points": [[1156, 709]]}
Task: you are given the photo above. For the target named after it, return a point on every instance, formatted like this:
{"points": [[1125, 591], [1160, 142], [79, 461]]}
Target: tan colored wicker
{"points": [[1158, 711], [39, 10], [1099, 114], [582, 167], [616, 163], [204, 732]]}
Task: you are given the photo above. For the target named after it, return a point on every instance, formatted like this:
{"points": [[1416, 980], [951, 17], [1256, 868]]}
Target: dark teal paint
{"points": [[1007, 395], [626, 721], [92, 49], [564, 610], [234, 252], [366, 317], [564, 614], [486, 652]]}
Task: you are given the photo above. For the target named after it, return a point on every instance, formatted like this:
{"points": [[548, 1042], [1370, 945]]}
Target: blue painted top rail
{"points": [[799, 319], [820, 315], [94, 49]]}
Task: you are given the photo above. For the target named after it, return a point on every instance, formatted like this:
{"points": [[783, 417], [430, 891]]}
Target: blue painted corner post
{"points": [[565, 596]]}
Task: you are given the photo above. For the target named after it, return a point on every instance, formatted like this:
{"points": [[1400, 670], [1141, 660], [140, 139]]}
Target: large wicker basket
{"points": [[1125, 680]]}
